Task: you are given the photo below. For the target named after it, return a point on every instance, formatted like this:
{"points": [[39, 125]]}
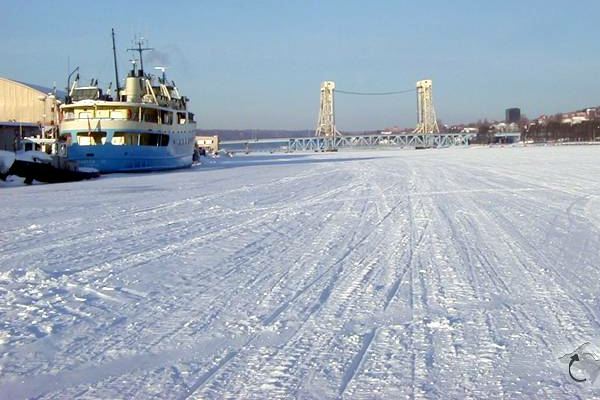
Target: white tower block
{"points": [[326, 124], [426, 120]]}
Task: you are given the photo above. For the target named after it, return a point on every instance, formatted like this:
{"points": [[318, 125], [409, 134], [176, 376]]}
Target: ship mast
{"points": [[140, 50], [118, 96]]}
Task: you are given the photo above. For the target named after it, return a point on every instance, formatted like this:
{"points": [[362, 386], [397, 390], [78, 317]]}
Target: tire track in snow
{"points": [[357, 361], [325, 295], [128, 261], [241, 349]]}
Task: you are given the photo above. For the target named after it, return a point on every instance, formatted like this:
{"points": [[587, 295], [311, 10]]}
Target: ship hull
{"points": [[109, 158], [174, 153]]}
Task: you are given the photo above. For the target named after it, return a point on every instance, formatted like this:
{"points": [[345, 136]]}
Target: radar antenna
{"points": [[140, 50]]}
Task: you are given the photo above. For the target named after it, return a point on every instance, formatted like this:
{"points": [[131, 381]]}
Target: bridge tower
{"points": [[326, 124], [426, 120]]}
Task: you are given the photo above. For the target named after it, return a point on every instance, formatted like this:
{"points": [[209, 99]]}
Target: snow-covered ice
{"points": [[379, 274]]}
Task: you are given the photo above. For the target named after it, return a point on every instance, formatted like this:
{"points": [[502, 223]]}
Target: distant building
{"points": [[576, 117], [503, 127], [208, 143], [513, 115], [25, 110], [507, 137]]}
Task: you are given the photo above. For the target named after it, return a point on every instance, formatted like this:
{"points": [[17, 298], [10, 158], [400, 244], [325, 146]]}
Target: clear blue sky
{"points": [[259, 63]]}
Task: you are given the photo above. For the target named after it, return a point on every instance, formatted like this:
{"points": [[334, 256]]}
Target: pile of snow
{"points": [[7, 158]]}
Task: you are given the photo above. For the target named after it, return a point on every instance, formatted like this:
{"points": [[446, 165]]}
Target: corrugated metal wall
{"points": [[21, 103]]}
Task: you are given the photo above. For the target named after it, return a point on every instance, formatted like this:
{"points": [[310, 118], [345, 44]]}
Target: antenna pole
{"points": [[141, 58], [141, 50], [118, 89]]}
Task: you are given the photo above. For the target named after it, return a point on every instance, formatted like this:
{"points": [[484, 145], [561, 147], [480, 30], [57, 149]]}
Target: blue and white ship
{"points": [[145, 127]]}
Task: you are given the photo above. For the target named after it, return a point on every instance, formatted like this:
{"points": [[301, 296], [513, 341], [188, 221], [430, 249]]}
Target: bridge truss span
{"points": [[412, 140]]}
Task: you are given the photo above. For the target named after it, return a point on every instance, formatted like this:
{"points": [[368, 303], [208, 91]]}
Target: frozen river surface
{"points": [[360, 275]]}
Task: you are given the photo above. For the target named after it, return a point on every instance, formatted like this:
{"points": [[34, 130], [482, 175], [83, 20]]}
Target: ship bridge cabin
{"points": [[139, 101], [126, 112]]}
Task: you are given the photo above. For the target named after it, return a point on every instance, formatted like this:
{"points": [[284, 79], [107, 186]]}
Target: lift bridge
{"points": [[329, 138], [425, 135]]}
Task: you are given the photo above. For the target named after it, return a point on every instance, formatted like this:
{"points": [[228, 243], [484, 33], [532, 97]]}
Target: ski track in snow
{"points": [[458, 273]]}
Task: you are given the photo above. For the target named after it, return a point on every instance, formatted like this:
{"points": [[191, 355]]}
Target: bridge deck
{"points": [[403, 140]]}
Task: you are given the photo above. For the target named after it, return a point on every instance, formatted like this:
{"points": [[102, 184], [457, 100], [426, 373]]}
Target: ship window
{"points": [[91, 93], [181, 118], [154, 139], [102, 114], [191, 117], [166, 117], [118, 114], [91, 138], [140, 139], [85, 115], [149, 115], [125, 139]]}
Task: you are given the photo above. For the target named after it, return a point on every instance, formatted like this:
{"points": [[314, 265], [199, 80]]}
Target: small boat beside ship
{"points": [[32, 164], [146, 126]]}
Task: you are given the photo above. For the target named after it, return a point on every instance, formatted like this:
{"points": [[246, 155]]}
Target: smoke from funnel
{"points": [[158, 57]]}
